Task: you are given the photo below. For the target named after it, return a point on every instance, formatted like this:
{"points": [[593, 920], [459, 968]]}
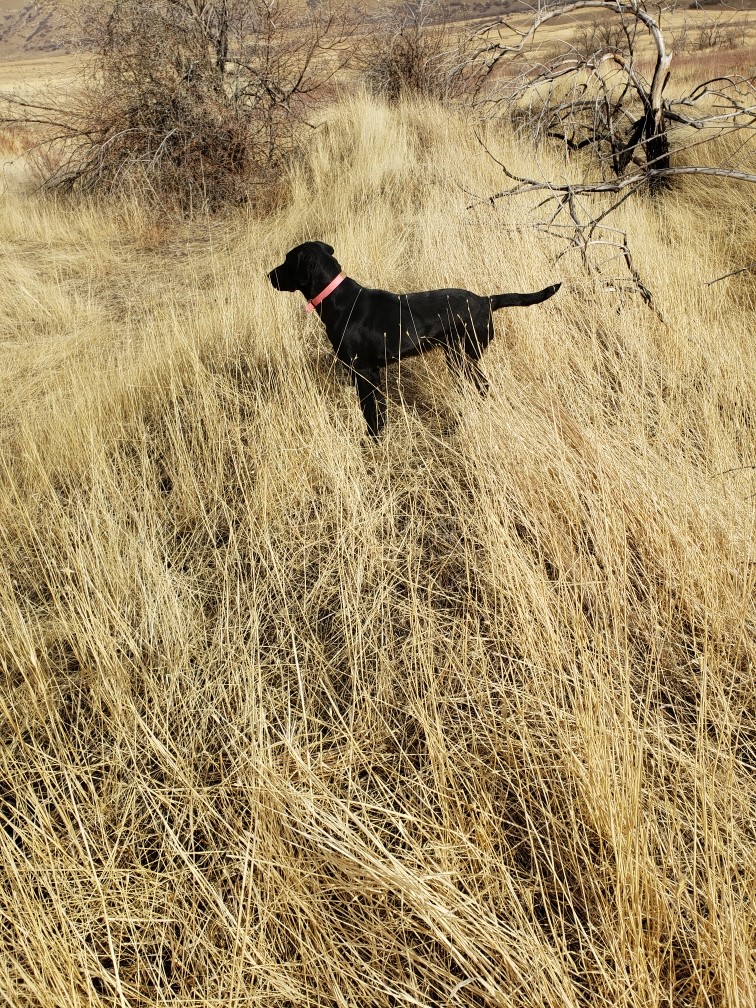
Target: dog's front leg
{"points": [[372, 399]]}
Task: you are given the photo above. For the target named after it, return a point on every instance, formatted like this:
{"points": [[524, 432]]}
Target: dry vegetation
{"points": [[467, 718]]}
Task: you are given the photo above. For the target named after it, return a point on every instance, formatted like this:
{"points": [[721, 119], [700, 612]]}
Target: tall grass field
{"points": [[466, 717]]}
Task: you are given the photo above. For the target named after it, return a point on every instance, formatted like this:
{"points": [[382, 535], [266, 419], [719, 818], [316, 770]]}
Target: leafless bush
{"points": [[192, 101], [413, 51], [598, 36], [719, 33]]}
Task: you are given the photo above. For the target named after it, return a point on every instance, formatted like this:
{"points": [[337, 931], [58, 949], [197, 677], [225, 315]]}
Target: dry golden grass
{"points": [[466, 718]]}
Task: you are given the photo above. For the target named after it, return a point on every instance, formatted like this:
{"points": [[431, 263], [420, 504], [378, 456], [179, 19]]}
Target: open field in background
{"points": [[465, 718], [38, 72], [687, 31]]}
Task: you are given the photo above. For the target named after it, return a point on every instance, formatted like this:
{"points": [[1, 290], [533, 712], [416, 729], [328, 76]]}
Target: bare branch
{"points": [[743, 269]]}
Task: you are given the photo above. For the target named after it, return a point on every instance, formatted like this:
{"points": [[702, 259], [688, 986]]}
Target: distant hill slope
{"points": [[27, 28]]}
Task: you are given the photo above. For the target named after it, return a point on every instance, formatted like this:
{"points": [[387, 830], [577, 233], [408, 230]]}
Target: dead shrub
{"points": [[197, 103], [413, 51], [596, 37], [720, 33]]}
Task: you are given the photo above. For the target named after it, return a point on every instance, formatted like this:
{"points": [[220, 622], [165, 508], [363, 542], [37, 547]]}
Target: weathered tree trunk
{"points": [[656, 146], [221, 41], [656, 140]]}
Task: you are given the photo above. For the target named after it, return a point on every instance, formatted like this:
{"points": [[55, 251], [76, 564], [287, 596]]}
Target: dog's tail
{"points": [[522, 300]]}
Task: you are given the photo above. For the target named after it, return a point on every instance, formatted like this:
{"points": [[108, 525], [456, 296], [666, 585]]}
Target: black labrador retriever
{"points": [[371, 328]]}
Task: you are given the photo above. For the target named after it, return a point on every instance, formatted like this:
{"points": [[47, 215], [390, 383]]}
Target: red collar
{"points": [[311, 305]]}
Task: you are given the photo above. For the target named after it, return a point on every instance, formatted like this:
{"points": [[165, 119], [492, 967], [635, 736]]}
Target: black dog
{"points": [[371, 328]]}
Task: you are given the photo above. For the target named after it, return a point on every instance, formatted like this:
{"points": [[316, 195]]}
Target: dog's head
{"points": [[305, 267]]}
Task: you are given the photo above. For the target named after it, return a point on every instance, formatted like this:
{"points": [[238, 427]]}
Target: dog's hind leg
{"points": [[465, 362], [475, 374], [372, 399]]}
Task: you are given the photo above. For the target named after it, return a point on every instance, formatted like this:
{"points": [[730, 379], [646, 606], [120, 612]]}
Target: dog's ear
{"points": [[306, 263], [326, 248]]}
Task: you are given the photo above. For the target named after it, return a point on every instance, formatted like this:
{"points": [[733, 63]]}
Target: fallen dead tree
{"points": [[600, 99], [613, 121]]}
